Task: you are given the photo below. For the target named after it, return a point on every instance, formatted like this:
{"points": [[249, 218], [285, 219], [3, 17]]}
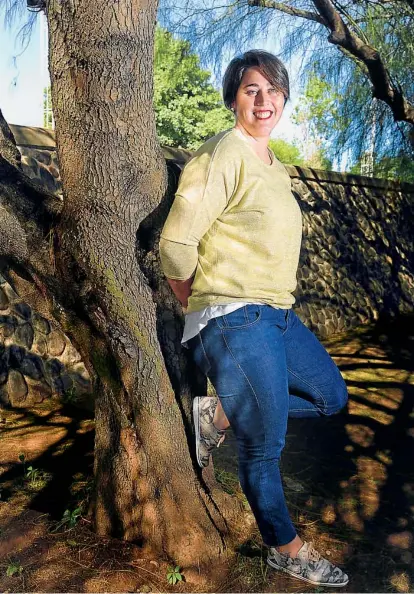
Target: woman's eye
{"points": [[251, 92]]}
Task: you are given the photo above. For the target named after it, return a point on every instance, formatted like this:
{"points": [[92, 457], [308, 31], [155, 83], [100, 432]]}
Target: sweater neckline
{"points": [[240, 134]]}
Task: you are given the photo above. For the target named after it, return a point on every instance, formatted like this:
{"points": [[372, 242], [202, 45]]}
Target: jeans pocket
{"points": [[241, 318]]}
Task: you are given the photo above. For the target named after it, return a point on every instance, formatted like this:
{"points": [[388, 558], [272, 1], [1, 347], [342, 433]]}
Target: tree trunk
{"points": [[148, 488]]}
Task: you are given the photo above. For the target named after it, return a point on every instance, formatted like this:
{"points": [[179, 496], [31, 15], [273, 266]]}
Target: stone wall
{"points": [[357, 257], [357, 262], [37, 361]]}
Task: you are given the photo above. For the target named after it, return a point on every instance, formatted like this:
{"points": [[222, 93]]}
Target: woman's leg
{"points": [[243, 354], [316, 387]]}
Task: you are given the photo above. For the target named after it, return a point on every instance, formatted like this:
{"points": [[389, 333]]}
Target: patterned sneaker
{"points": [[308, 566], [207, 435]]}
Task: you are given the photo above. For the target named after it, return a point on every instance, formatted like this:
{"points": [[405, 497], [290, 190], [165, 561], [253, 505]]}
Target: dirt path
{"points": [[349, 483]]}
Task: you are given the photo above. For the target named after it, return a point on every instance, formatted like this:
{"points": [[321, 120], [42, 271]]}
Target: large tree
{"points": [[101, 277]]}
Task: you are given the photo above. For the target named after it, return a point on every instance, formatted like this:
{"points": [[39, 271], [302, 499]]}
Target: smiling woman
{"points": [[230, 250], [257, 95]]}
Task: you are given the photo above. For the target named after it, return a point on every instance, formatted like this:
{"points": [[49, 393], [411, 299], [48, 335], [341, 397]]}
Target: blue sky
{"points": [[23, 80]]}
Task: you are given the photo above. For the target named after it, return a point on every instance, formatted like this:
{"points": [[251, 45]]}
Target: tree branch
{"points": [[8, 148], [383, 87], [290, 10]]}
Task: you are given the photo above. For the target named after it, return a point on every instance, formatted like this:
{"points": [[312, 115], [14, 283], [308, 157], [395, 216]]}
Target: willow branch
{"points": [[287, 9]]}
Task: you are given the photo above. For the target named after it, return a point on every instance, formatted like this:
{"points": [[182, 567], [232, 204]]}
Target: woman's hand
{"points": [[181, 289]]}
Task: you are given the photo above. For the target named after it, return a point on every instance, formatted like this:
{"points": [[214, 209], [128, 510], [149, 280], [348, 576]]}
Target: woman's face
{"points": [[258, 105]]}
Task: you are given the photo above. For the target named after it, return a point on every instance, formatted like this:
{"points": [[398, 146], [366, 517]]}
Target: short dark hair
{"points": [[269, 66]]}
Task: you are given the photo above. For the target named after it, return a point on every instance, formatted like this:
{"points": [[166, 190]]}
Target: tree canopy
{"points": [[188, 109]]}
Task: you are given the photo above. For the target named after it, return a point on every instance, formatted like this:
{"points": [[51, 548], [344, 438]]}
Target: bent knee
{"points": [[340, 397]]}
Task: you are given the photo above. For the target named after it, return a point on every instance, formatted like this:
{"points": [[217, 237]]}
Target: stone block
{"points": [[66, 382], [33, 367], [38, 391], [41, 324], [22, 310], [4, 396], [53, 367], [10, 292], [39, 346], [16, 388], [4, 301], [23, 336], [70, 355], [56, 343], [7, 327], [81, 376], [16, 356], [4, 364]]}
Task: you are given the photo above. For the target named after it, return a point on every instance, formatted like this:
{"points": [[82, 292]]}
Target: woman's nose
{"points": [[261, 98]]}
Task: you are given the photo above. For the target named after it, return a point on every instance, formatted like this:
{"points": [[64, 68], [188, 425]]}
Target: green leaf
{"points": [[13, 568]]}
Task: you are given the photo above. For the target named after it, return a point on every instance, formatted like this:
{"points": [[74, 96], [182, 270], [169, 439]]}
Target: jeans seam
{"points": [[263, 425], [325, 406]]}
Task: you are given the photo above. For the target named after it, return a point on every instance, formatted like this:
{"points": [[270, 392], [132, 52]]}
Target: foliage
{"points": [[399, 168], [13, 569], [174, 575], [327, 119], [286, 152], [187, 107], [291, 154], [69, 519], [32, 474], [47, 108]]}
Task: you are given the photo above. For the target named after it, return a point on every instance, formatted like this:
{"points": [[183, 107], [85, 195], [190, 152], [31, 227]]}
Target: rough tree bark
{"points": [[115, 304]]}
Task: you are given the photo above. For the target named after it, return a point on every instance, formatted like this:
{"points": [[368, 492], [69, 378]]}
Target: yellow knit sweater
{"points": [[235, 223]]}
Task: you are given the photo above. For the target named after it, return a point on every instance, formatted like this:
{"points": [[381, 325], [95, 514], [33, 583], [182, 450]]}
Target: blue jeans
{"points": [[266, 365]]}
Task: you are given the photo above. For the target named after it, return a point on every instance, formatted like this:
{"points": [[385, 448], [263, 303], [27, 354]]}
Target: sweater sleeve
{"points": [[205, 188]]}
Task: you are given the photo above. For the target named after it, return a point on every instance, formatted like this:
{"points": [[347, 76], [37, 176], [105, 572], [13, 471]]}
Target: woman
{"points": [[230, 250]]}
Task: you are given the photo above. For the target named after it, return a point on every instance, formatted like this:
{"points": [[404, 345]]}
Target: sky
{"points": [[23, 78]]}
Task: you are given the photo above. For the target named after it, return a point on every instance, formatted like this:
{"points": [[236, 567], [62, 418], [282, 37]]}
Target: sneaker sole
{"points": [[299, 577], [196, 418]]}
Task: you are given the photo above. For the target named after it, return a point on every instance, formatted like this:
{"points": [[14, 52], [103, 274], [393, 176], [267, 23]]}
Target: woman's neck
{"points": [[259, 144]]}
